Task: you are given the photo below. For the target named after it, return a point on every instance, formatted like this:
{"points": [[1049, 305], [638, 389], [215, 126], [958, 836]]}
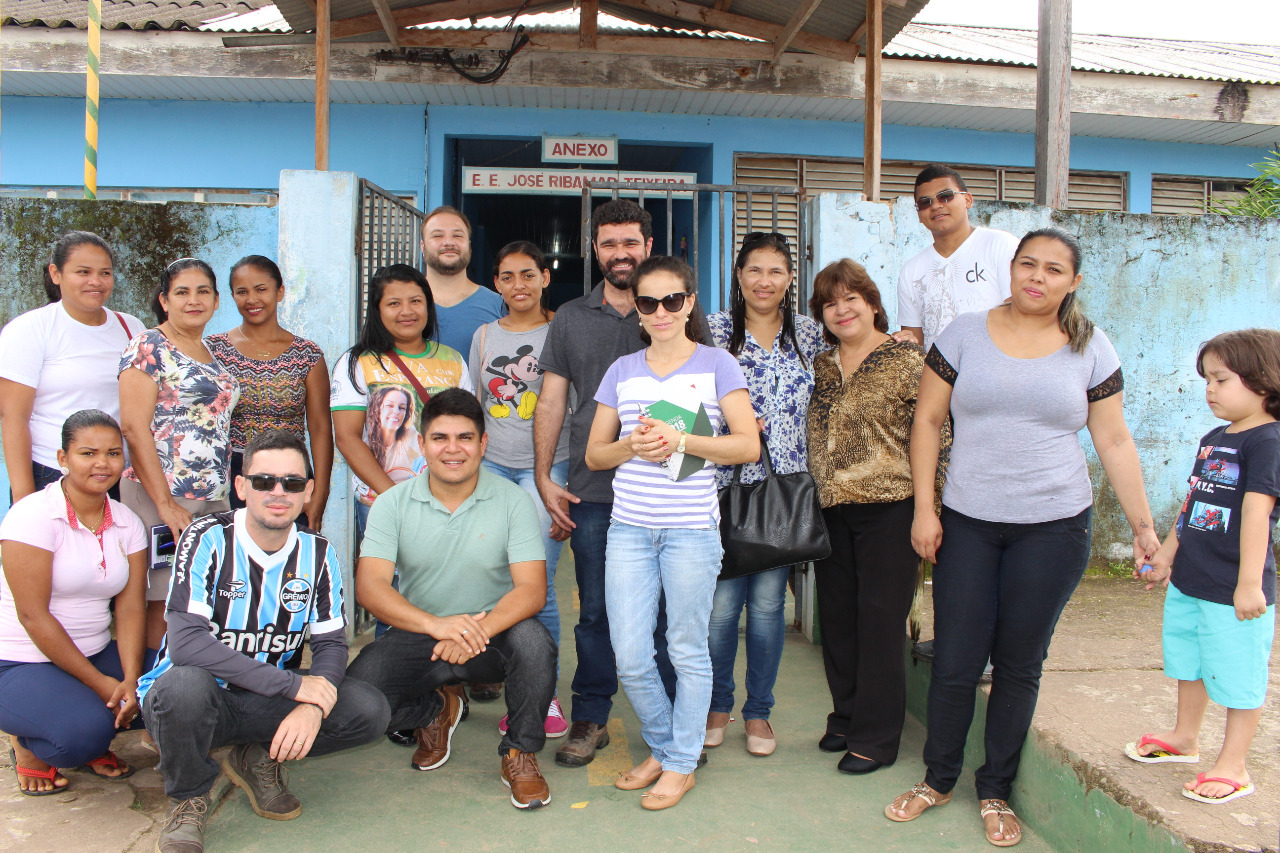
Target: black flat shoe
{"points": [[858, 765], [831, 742], [404, 737]]}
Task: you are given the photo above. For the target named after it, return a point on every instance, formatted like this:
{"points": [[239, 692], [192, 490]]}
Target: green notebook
{"points": [[681, 465]]}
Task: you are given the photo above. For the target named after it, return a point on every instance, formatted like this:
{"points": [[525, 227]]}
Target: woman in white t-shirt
{"points": [[60, 359], [68, 552], [664, 533]]}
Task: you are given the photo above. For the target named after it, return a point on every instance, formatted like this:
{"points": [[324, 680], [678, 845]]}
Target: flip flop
{"points": [[109, 761], [1240, 790], [1162, 754], [51, 774]]}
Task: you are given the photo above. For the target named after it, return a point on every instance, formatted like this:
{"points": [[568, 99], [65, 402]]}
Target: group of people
{"points": [[483, 430]]}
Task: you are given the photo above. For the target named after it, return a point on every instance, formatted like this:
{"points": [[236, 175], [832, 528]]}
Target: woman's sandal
{"points": [[108, 761], [1000, 809], [51, 774], [931, 797]]}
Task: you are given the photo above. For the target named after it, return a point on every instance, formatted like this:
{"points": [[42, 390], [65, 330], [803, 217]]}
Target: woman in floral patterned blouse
{"points": [[776, 350], [284, 381], [176, 401]]}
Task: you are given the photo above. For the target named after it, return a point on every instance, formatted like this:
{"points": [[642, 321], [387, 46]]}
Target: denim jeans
{"points": [[643, 564], [56, 715], [596, 678], [399, 664], [998, 590], [549, 616], [189, 715], [765, 596]]}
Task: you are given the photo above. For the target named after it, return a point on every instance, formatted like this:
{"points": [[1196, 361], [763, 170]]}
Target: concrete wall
{"points": [[1158, 286], [144, 237]]}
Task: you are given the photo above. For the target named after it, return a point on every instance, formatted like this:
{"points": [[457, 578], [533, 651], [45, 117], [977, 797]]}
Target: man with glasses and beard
{"points": [[586, 336], [247, 587], [966, 269], [462, 306]]}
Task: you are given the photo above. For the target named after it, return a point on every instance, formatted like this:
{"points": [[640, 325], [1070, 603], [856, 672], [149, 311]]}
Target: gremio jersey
{"points": [[259, 604]]}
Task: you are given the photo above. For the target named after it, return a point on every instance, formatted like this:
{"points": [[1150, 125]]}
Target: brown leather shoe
{"points": [[458, 690], [520, 773], [584, 739], [485, 692], [434, 740]]}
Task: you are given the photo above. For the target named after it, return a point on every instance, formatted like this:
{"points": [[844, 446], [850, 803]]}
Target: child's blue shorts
{"points": [[1204, 640]]}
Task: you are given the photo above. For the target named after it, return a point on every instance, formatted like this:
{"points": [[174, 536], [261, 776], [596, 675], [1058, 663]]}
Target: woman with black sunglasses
{"points": [[776, 350], [664, 534]]}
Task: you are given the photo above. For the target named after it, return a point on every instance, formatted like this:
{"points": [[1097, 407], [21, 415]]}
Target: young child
{"points": [[1219, 616]]}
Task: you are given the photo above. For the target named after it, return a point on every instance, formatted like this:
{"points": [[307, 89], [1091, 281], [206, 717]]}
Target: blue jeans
{"points": [[998, 590], [523, 477], [596, 678], [57, 716], [643, 564], [765, 597]]}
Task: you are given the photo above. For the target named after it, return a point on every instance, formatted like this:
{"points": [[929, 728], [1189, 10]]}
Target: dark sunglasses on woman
{"points": [[673, 302]]}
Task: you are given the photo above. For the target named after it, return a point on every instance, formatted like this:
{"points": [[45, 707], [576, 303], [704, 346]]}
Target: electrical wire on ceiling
{"points": [[517, 44]]}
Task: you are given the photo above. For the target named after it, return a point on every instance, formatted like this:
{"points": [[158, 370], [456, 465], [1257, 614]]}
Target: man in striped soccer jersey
{"points": [[247, 586]]}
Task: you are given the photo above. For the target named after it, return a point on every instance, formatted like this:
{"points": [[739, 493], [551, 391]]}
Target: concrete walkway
{"points": [[1077, 790]]}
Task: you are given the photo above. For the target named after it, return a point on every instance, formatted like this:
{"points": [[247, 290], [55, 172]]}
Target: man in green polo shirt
{"points": [[472, 580]]}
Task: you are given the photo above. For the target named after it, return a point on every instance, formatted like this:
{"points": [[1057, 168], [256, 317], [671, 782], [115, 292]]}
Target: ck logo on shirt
{"points": [[295, 595], [975, 275]]}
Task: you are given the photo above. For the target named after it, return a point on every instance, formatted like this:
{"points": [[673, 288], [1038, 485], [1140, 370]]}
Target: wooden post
{"points": [[590, 11], [322, 85], [873, 106], [1053, 103]]}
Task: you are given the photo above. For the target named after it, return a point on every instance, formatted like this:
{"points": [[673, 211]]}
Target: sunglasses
{"points": [[673, 302], [925, 202], [266, 483], [761, 236]]}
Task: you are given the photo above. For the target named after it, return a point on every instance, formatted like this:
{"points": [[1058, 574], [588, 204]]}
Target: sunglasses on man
{"points": [[925, 202], [292, 483]]}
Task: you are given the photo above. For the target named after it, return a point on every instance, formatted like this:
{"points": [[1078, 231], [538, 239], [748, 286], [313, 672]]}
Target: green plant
{"points": [[1262, 198]]}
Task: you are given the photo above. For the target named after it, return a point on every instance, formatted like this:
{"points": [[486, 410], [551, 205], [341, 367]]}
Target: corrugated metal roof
{"points": [[566, 21], [125, 14], [1196, 60]]}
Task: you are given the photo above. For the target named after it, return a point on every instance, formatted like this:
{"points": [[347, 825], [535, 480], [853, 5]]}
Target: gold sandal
{"points": [[924, 792], [1000, 808]]}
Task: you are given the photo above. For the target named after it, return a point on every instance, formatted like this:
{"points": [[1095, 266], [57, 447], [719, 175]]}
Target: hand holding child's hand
{"points": [[1161, 565], [1250, 603]]}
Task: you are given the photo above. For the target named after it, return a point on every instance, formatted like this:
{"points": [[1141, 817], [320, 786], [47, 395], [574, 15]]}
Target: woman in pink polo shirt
{"points": [[67, 550]]}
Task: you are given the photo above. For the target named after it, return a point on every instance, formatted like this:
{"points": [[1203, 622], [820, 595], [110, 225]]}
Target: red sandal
{"points": [[108, 761], [51, 774]]}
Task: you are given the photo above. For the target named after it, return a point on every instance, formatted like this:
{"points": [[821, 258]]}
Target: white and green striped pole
{"points": [[91, 101]]}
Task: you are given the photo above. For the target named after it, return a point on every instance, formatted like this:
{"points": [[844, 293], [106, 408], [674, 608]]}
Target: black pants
{"points": [[864, 595], [524, 657], [998, 590]]}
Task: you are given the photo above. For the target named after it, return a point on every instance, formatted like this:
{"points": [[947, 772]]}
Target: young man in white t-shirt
{"points": [[966, 269]]}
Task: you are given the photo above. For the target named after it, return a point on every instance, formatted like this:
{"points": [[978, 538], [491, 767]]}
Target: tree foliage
{"points": [[1262, 196]]}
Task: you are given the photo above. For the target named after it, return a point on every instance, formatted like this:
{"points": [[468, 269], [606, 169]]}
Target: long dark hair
{"points": [[374, 338], [1071, 319], [166, 282], [738, 303], [1254, 356], [62, 250], [533, 253], [259, 262], [682, 271]]}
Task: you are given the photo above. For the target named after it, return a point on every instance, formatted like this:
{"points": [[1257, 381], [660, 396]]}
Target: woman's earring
{"points": [[64, 469]]}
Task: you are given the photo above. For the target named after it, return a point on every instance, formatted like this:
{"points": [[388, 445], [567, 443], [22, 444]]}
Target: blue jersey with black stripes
{"points": [[259, 604]]}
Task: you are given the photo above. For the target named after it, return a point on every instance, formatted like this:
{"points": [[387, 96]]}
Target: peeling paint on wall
{"points": [[1159, 286]]}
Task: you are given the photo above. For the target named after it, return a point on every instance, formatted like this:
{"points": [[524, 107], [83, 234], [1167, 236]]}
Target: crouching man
{"points": [[247, 585], [472, 578]]}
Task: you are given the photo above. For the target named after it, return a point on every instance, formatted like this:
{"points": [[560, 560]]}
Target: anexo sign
{"points": [[549, 181], [579, 149]]}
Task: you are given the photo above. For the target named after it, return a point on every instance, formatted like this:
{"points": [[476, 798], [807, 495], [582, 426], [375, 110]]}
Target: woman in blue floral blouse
{"points": [[776, 349]]}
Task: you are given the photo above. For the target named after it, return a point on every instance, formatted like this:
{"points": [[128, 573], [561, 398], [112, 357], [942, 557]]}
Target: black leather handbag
{"points": [[775, 522]]}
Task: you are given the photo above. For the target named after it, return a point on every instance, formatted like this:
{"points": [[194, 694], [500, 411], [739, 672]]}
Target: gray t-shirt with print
{"points": [[1016, 457], [508, 381]]}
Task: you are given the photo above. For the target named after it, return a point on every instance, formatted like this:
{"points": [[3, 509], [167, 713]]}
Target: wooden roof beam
{"points": [[590, 12], [723, 5], [716, 19], [798, 19], [425, 14], [388, 22]]}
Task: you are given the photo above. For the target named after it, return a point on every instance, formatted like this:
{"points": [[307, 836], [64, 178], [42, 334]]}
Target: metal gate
{"points": [[390, 232], [740, 210]]}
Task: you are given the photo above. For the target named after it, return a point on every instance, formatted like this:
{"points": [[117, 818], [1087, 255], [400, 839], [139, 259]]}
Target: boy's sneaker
{"points": [[520, 773], [262, 777], [183, 830], [555, 725]]}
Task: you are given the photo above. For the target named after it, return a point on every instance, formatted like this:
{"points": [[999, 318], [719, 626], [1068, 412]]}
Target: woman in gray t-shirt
{"points": [[508, 380], [1019, 381]]}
